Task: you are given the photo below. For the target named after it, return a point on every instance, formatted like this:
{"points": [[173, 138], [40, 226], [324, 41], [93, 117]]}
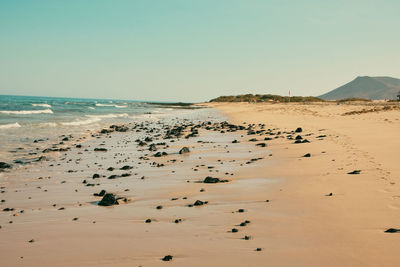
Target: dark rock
{"points": [[167, 258], [141, 143], [212, 180], [110, 169], [355, 172], [95, 176], [258, 249], [392, 230], [102, 193], [261, 144], [100, 149], [234, 230], [159, 207], [152, 147], [4, 165], [199, 203], [235, 141], [108, 200], [120, 128], [184, 150], [329, 195], [299, 130], [8, 209], [104, 131], [148, 221], [307, 155], [160, 154]]}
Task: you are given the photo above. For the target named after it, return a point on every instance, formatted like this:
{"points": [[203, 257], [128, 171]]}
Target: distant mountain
{"points": [[366, 87]]}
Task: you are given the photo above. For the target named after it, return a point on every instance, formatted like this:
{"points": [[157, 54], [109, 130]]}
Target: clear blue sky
{"points": [[187, 50]]}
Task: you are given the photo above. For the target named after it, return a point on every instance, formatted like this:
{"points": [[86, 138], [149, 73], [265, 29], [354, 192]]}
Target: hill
{"points": [[366, 87]]}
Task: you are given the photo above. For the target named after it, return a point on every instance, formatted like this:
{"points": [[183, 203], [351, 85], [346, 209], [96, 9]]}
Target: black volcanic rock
{"points": [[184, 150], [4, 165], [213, 180], [108, 200], [167, 258], [392, 230], [102, 193]]}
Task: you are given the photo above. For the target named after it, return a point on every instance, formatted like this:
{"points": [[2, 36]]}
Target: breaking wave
{"points": [[10, 125], [111, 105], [27, 112], [42, 105]]}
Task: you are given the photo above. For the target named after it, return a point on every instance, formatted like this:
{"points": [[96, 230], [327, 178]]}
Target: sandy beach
{"points": [[273, 206]]}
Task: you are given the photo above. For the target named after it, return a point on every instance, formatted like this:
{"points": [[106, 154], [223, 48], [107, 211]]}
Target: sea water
{"points": [[24, 119]]}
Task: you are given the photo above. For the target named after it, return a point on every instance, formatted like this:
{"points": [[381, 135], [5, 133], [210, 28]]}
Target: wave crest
{"points": [[80, 122], [42, 105], [10, 125], [27, 112], [106, 116], [110, 105]]}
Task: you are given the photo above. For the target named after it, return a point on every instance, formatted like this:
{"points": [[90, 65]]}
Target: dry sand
{"points": [[299, 226], [307, 228]]}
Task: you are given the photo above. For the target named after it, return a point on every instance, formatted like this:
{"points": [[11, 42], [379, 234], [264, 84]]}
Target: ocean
{"points": [[28, 120]]}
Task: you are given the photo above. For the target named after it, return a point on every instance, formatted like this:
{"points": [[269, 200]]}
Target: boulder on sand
{"points": [[108, 200], [212, 180], [4, 165], [184, 150]]}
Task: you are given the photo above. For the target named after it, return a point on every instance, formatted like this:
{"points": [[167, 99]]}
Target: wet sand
{"points": [[55, 219], [288, 210]]}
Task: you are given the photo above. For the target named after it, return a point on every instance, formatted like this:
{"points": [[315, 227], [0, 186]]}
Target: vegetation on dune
{"points": [[354, 99], [266, 98]]}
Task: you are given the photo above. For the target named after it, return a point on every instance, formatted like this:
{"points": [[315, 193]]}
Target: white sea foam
{"points": [[104, 105], [27, 112], [111, 105], [93, 119], [42, 105], [106, 116], [81, 122], [48, 124], [90, 107], [10, 125]]}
